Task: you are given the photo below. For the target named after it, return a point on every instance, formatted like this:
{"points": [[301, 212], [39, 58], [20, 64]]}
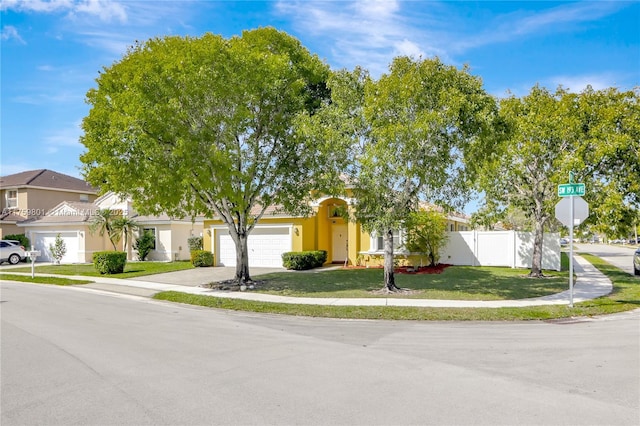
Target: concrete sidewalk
{"points": [[590, 284]]}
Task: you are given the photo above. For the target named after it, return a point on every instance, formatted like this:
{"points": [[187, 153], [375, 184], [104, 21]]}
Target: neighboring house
{"points": [[34, 193], [277, 233], [72, 221]]}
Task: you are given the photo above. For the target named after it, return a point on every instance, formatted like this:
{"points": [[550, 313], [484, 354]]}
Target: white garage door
{"points": [[43, 240], [265, 244]]}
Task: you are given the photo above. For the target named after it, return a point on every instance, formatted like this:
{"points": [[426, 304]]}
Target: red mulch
{"points": [[410, 270]]}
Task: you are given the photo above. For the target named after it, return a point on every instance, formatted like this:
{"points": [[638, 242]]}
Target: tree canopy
{"points": [[207, 125], [411, 134], [548, 135]]}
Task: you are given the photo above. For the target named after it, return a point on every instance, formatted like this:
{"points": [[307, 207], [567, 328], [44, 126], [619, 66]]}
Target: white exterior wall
{"points": [[171, 240], [500, 248]]}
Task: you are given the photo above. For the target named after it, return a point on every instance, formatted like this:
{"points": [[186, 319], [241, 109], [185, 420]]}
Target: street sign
{"points": [[580, 211], [568, 189], [571, 211]]}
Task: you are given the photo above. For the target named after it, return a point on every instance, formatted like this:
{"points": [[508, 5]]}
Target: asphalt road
{"points": [[617, 255], [72, 356]]}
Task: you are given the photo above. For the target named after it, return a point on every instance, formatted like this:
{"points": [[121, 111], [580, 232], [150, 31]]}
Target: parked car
{"points": [[11, 251], [564, 242]]}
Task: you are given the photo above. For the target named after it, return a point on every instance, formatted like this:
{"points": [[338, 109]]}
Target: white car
{"points": [[11, 251]]}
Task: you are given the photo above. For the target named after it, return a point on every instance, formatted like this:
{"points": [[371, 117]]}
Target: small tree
{"points": [[426, 233], [144, 244], [58, 249]]}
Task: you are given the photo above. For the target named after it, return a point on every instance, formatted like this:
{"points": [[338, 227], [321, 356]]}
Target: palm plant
{"points": [[103, 223], [125, 227]]}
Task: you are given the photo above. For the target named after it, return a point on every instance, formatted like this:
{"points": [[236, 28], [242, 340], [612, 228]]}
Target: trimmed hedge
{"points": [[301, 260], [201, 258], [110, 262]]}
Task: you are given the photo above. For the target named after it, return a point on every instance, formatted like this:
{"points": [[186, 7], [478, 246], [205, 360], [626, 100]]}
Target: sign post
{"points": [[571, 210], [33, 254]]}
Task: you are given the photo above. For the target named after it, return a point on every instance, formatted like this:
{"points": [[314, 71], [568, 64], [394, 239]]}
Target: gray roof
{"points": [[44, 178]]}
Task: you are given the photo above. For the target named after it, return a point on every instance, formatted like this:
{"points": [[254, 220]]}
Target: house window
{"points": [[153, 232], [84, 198], [378, 241], [451, 226], [12, 199]]}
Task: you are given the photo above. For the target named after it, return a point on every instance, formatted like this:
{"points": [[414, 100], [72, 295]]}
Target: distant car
{"points": [[564, 241], [636, 262], [11, 251]]}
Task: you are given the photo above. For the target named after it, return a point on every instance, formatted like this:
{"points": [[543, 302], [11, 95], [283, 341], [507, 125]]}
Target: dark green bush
{"points": [[201, 258], [301, 260], [110, 262], [195, 243], [321, 257], [24, 241]]}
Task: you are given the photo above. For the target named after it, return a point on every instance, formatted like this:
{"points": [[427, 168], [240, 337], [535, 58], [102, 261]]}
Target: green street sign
{"points": [[568, 189]]}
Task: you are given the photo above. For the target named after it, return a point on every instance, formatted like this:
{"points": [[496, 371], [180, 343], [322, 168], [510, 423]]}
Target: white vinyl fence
{"points": [[499, 248]]}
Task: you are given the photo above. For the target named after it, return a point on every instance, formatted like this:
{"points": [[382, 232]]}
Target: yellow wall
{"points": [[316, 233]]}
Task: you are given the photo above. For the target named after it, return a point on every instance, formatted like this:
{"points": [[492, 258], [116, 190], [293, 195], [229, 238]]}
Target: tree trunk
{"points": [[242, 257], [536, 260], [389, 279]]}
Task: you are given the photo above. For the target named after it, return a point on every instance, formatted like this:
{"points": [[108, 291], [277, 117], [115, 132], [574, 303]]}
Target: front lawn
{"points": [[455, 282], [625, 297], [131, 270]]}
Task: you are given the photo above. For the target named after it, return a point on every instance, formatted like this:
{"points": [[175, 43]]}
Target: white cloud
{"points": [[365, 33], [504, 28], [11, 33], [577, 83], [105, 10], [64, 138], [46, 6]]}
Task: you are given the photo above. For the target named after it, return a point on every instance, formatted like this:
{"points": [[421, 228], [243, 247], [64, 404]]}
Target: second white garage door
{"points": [[265, 244], [42, 241]]}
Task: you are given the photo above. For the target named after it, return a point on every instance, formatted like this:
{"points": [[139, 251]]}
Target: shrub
{"points": [[110, 262], [194, 243], [144, 244], [201, 258], [24, 241], [301, 260]]}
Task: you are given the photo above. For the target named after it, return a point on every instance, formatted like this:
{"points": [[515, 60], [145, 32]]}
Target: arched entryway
{"points": [[333, 233]]}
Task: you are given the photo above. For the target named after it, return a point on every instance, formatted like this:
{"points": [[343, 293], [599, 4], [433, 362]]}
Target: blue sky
{"points": [[52, 50]]}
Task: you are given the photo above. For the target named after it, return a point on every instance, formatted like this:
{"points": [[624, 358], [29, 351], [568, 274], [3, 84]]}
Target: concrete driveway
{"points": [[198, 276]]}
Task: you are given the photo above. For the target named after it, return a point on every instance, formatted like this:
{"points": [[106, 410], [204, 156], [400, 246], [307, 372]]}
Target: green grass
{"points": [[456, 282], [625, 296], [131, 270], [42, 280]]}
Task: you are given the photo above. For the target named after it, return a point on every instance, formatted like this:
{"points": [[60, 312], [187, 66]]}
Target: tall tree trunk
{"points": [[538, 238], [242, 257], [389, 278]]}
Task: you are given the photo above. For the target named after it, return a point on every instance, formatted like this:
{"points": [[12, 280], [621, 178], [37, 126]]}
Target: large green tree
{"points": [[411, 132], [594, 134], [207, 125]]}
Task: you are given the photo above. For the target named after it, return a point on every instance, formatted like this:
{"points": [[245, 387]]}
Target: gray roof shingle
{"points": [[44, 178]]}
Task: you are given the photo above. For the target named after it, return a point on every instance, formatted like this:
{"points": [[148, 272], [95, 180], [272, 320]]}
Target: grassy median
{"points": [[131, 269], [42, 280]]}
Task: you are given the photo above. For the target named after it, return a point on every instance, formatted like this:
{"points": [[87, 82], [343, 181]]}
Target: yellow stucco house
{"points": [[276, 233]]}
